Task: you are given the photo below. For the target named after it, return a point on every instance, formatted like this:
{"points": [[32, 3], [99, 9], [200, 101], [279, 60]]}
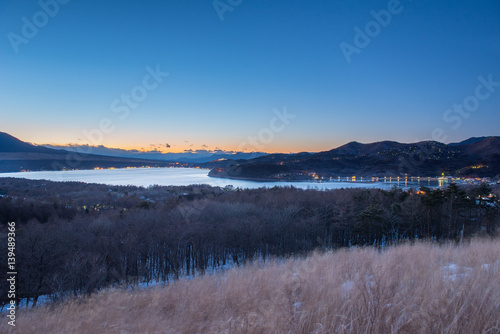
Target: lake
{"points": [[146, 177]]}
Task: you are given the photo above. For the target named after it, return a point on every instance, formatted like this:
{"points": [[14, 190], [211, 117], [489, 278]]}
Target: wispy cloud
{"points": [[154, 151]]}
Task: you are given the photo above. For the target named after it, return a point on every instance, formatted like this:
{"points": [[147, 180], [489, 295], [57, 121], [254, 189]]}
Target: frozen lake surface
{"points": [[146, 177]]}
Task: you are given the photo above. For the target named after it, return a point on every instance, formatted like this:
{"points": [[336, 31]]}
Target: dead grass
{"points": [[421, 288]]}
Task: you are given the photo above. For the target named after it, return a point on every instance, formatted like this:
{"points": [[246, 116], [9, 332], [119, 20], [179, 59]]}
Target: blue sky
{"points": [[227, 79]]}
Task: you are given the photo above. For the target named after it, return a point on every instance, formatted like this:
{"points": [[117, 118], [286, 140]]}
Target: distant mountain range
{"points": [[16, 155], [472, 157], [191, 156], [479, 156]]}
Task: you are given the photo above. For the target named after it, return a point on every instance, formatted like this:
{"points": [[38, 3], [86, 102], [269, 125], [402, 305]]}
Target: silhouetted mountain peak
{"points": [[469, 141], [352, 147], [357, 148], [11, 144], [481, 146]]}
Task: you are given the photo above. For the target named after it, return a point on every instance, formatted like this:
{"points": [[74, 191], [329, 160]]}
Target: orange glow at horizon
{"points": [[186, 148], [152, 143]]}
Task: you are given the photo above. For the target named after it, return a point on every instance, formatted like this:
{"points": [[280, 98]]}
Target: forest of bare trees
{"points": [[75, 238]]}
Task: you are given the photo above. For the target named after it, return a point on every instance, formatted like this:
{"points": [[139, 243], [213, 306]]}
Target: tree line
{"points": [[74, 239]]}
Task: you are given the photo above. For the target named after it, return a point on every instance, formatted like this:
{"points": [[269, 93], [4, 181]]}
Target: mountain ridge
{"points": [[479, 156], [10, 144], [16, 156], [476, 156]]}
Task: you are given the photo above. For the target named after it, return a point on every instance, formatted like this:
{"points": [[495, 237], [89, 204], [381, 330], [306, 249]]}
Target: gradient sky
{"points": [[227, 76]]}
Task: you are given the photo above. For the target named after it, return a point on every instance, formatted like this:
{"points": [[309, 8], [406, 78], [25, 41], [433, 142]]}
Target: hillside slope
{"points": [[10, 144], [16, 155], [473, 157], [423, 288]]}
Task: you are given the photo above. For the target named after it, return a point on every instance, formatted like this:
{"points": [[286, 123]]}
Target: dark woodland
{"points": [[75, 239]]}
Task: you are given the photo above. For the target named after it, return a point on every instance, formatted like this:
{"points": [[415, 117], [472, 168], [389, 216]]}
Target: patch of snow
{"points": [[348, 285], [453, 272], [491, 267], [42, 300]]}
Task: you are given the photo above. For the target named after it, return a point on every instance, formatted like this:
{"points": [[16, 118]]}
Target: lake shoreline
{"points": [[184, 176]]}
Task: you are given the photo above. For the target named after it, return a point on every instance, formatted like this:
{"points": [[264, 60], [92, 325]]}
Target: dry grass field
{"points": [[419, 288]]}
